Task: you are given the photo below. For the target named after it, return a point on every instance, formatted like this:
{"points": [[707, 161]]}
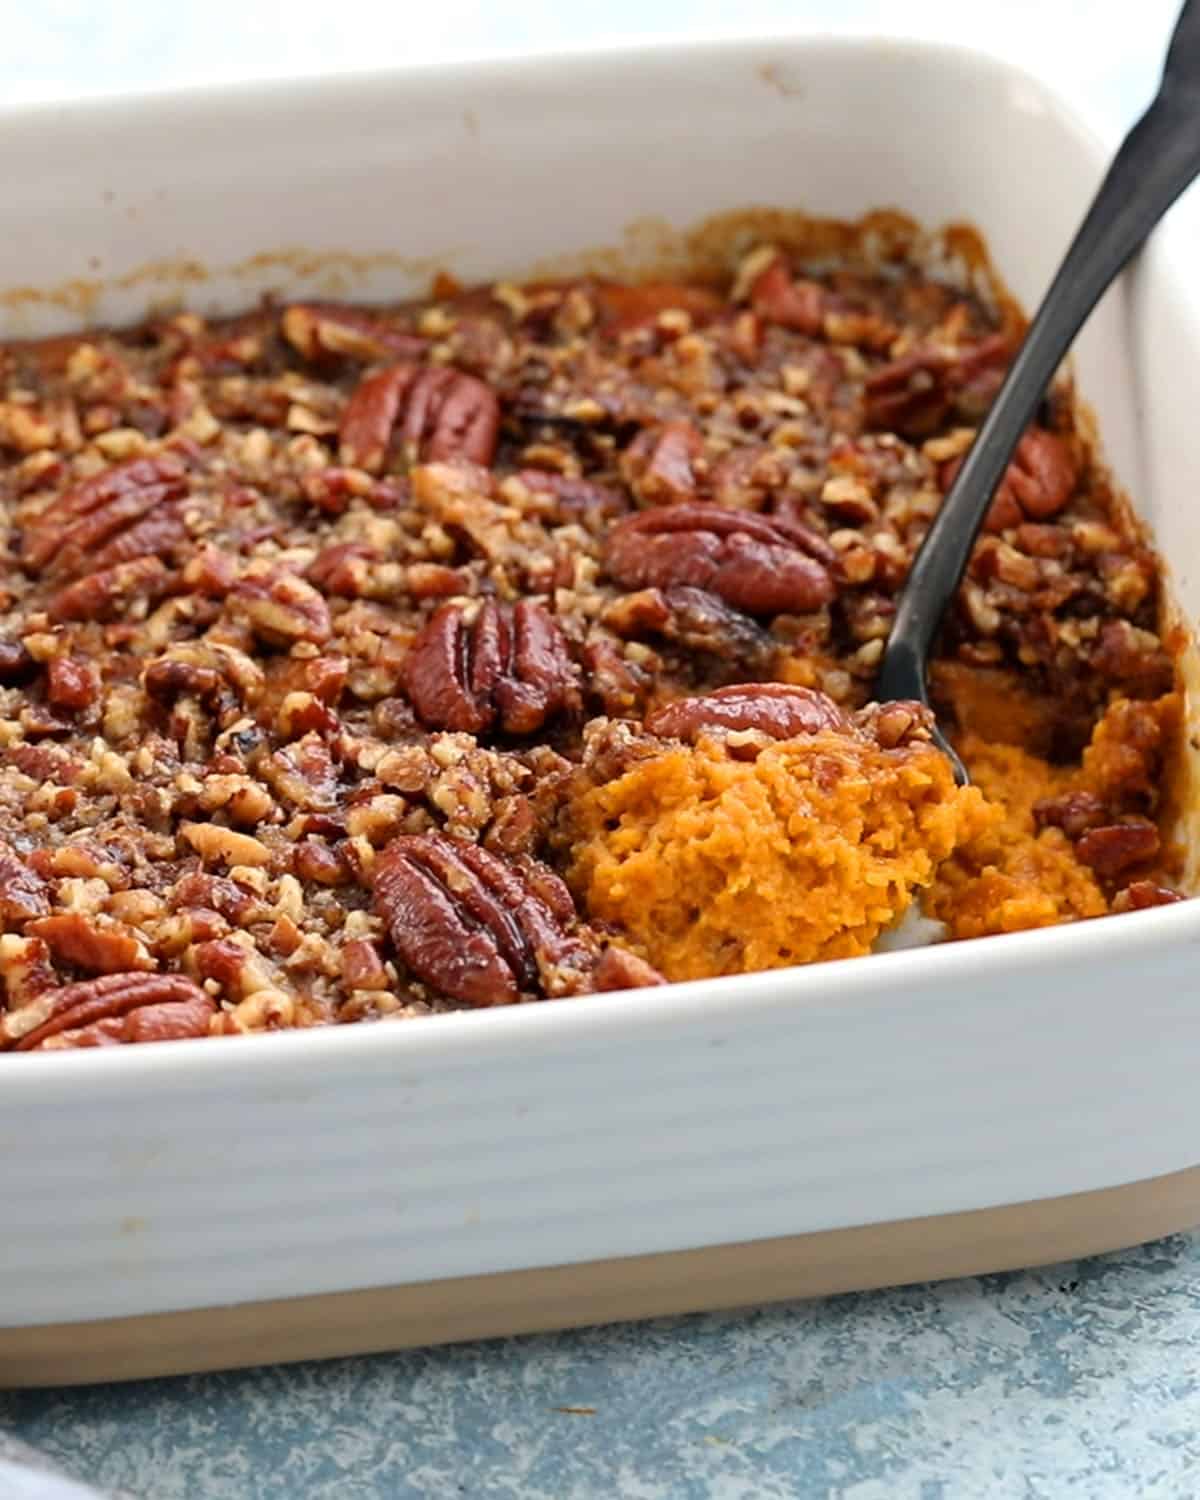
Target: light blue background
{"points": [[1080, 1380]]}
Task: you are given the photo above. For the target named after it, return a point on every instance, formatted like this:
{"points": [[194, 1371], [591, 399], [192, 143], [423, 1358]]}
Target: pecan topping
{"points": [[108, 519], [102, 947], [1036, 485], [619, 969], [148, 1008], [101, 595], [471, 925], [23, 894], [1117, 847], [1074, 812], [759, 564], [315, 331], [507, 669], [281, 607], [777, 298], [777, 709], [657, 465], [441, 413], [694, 619], [71, 685], [913, 395], [1142, 894], [16, 664]]}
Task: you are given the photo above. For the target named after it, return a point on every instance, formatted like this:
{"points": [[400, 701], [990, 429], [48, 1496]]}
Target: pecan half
{"points": [[108, 519], [1037, 483], [170, 1006], [441, 414], [474, 927], [760, 564], [508, 669], [1117, 847], [316, 331], [778, 709]]}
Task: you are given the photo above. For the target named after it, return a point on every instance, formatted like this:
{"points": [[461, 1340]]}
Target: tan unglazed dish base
{"points": [[603, 1291]]}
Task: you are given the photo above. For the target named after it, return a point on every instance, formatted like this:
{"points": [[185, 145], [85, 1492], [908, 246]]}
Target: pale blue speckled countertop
{"points": [[1081, 1380]]}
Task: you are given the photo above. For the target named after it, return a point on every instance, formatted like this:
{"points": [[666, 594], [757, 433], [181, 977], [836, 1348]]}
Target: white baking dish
{"points": [[601, 1136]]}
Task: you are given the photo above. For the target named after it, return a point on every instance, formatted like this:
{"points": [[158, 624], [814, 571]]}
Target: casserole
{"points": [[927, 1113]]}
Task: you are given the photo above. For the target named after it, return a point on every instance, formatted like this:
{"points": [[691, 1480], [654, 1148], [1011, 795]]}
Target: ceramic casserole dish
{"points": [[982, 1105]]}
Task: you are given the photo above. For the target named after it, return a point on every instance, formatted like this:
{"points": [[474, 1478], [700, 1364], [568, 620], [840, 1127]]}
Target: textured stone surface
{"points": [[1079, 1379]]}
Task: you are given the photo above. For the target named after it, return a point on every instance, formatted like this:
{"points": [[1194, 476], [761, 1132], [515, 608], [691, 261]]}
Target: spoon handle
{"points": [[1158, 159]]}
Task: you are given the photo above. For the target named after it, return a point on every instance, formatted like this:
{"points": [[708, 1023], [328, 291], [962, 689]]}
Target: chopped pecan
{"points": [[344, 568], [1135, 658], [617, 685], [441, 413], [778, 298], [71, 685], [362, 967], [473, 926], [584, 500], [25, 974], [759, 564], [1117, 847], [914, 394], [90, 527], [658, 464], [1142, 894], [313, 860], [23, 894], [16, 664], [166, 679], [626, 307], [505, 669], [173, 1007], [218, 845], [224, 896], [303, 774], [98, 596], [900, 722], [778, 709], [619, 969], [99, 945], [317, 331], [1074, 812], [692, 618], [282, 607]]}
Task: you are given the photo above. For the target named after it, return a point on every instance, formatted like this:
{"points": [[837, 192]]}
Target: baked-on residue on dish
{"points": [[518, 643]]}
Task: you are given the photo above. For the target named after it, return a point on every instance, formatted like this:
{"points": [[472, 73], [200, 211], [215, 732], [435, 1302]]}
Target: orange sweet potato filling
{"points": [[710, 863], [714, 864]]}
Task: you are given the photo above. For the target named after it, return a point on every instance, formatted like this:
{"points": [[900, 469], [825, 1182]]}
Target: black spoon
{"points": [[1158, 159]]}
